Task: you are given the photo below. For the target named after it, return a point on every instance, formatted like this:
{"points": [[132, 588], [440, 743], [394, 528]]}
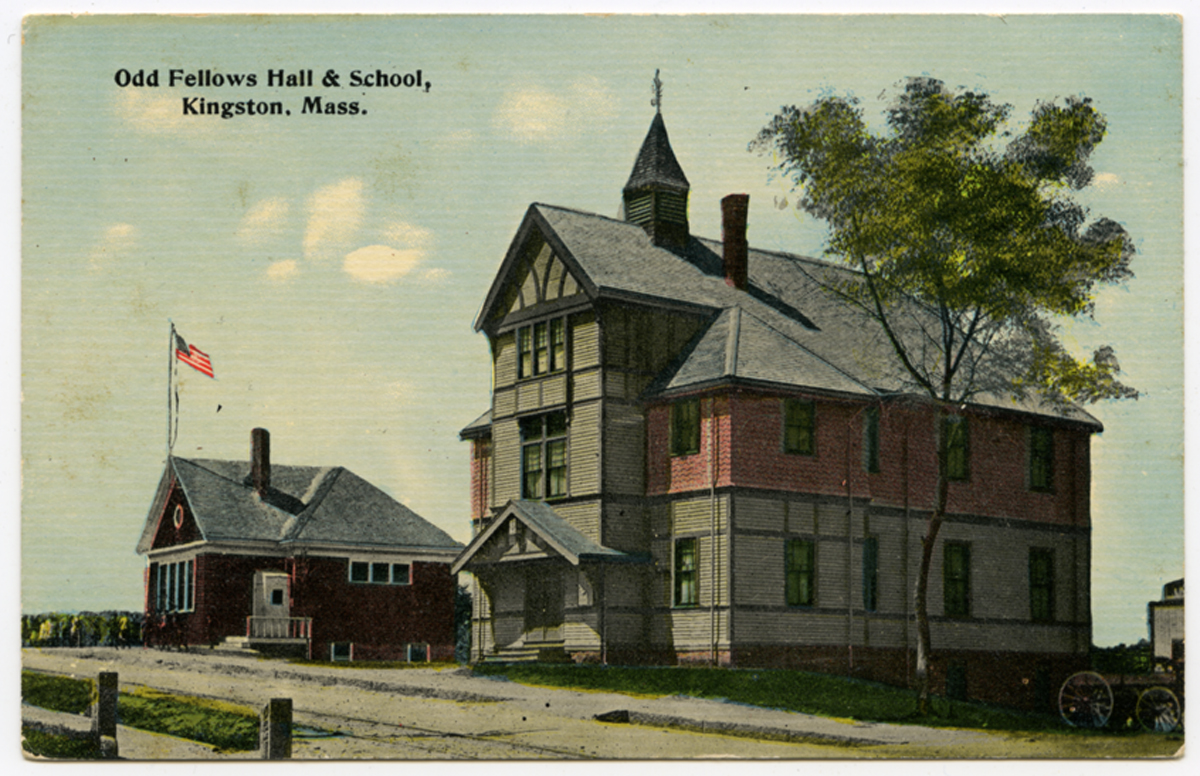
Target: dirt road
{"points": [[422, 713]]}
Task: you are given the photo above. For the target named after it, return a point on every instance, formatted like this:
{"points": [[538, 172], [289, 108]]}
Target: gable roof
{"points": [[786, 329], [566, 540], [304, 505]]}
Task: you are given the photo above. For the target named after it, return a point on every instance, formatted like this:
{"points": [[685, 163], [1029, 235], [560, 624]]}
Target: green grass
{"points": [[808, 693], [56, 693], [226, 726], [41, 744]]}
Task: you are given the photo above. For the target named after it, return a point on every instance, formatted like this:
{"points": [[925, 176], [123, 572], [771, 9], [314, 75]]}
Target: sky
{"points": [[332, 266]]}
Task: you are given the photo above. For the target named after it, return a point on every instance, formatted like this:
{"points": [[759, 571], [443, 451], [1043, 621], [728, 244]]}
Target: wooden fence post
{"points": [[104, 713], [275, 730]]}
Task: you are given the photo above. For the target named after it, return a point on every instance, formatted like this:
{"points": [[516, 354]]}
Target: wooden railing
{"points": [[279, 627]]}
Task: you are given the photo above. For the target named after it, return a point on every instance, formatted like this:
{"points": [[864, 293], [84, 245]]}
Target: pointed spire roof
{"points": [[656, 166]]}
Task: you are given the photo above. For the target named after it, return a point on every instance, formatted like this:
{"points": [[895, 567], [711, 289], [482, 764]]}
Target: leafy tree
{"points": [[967, 249]]}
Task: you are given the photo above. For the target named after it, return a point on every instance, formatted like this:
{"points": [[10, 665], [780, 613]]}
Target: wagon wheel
{"points": [[1158, 710], [1085, 700]]}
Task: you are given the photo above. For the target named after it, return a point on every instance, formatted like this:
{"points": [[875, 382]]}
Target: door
{"points": [[271, 594], [543, 604]]}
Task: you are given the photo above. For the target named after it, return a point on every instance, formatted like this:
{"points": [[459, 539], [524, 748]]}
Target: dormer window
{"points": [[542, 348]]}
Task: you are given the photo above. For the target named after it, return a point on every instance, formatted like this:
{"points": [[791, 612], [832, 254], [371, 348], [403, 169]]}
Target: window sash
{"points": [[558, 344], [799, 427], [556, 468], [870, 567], [958, 448], [801, 572], [544, 456], [1041, 458], [956, 580], [524, 352], [531, 471], [541, 349], [871, 439], [1041, 584], [686, 566], [685, 427]]}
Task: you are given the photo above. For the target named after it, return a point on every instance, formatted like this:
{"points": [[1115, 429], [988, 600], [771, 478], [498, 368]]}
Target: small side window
{"points": [[360, 571], [401, 574]]}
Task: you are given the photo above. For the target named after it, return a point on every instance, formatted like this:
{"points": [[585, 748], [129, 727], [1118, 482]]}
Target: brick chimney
{"points": [[260, 460], [733, 238]]}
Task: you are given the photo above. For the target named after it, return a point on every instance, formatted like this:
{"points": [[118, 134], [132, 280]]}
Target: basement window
{"points": [[417, 653], [341, 651]]}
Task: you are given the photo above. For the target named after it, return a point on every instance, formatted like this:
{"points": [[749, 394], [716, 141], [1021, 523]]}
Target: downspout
{"points": [[849, 547], [904, 553], [712, 526], [603, 616]]}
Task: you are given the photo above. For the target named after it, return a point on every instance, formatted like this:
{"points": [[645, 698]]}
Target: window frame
{"points": [[1041, 591], [685, 427], [544, 442], [871, 440], [1041, 459], [542, 347], [800, 417], [175, 587], [800, 579], [956, 589], [957, 431], [367, 571], [870, 573], [685, 582]]}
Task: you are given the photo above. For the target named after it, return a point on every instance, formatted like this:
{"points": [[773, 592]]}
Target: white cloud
{"points": [[334, 215], [282, 270], [407, 235], [381, 263], [266, 219], [117, 239], [534, 114], [150, 110], [436, 275], [531, 114], [1106, 180]]}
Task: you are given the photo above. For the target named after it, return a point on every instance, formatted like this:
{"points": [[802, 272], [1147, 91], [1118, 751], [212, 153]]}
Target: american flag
{"points": [[193, 356]]}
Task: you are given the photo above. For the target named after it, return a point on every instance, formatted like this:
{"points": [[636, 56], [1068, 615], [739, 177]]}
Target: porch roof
{"points": [[565, 539]]}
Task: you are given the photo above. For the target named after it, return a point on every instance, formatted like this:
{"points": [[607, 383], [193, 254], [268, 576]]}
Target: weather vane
{"points": [[657, 101]]}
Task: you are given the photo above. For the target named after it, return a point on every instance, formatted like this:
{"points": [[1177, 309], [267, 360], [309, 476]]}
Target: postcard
{"points": [[606, 387]]}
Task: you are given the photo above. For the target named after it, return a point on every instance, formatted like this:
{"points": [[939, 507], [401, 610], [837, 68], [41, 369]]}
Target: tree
{"points": [[967, 252]]}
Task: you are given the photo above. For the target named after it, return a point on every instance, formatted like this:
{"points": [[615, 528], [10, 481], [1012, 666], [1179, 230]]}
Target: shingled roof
{"points": [[304, 505], [656, 165], [787, 329]]}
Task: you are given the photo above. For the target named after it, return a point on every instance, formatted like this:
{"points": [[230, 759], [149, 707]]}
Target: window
{"points": [[799, 427], [685, 427], [544, 456], [958, 447], [277, 598], [956, 579], [1041, 584], [341, 651], [800, 561], [542, 348], [870, 572], [871, 439], [417, 653], [686, 570], [374, 573], [175, 587], [1041, 459]]}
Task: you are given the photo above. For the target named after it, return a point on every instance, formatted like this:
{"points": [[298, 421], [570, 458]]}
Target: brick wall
{"points": [[747, 440]]}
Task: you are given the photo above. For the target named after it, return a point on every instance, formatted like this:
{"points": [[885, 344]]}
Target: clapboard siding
{"points": [[504, 356], [583, 516], [506, 457], [583, 464], [624, 450], [586, 385], [689, 516], [759, 569], [759, 514], [625, 527], [585, 341], [693, 629]]}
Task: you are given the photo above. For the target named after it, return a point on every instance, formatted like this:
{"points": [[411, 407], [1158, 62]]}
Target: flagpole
{"points": [[170, 376]]}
